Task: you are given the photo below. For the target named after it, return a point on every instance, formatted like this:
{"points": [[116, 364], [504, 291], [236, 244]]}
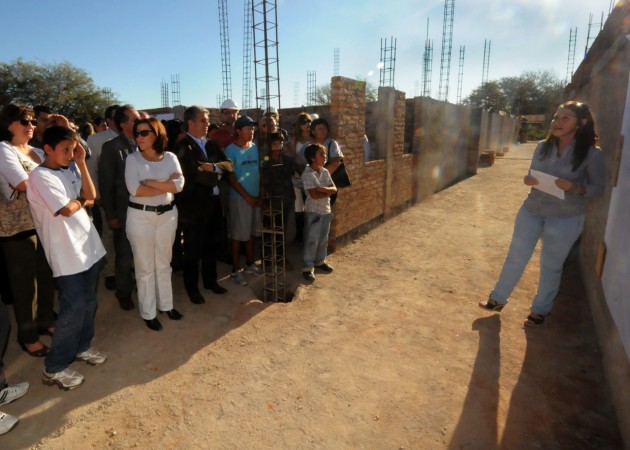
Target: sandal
{"points": [[534, 321], [492, 305]]}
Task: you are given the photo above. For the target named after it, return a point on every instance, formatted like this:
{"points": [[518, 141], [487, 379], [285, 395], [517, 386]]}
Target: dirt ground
{"points": [[388, 352]]}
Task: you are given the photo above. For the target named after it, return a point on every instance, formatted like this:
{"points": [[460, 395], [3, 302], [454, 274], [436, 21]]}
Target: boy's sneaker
{"points": [[66, 379], [324, 267], [238, 277], [12, 392], [7, 422], [253, 268], [308, 276], [92, 356]]}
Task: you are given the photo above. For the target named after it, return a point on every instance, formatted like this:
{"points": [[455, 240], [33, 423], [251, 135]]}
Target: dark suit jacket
{"points": [[193, 201], [111, 178]]}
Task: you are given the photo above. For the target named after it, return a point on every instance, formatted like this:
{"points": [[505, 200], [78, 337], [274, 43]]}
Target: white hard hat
{"points": [[229, 104]]}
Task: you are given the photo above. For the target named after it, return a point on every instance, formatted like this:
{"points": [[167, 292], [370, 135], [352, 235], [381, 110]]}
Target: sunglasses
{"points": [[305, 122], [143, 133], [25, 122]]}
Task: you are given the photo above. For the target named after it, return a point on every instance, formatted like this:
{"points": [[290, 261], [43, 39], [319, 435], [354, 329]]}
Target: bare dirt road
{"points": [[388, 352]]}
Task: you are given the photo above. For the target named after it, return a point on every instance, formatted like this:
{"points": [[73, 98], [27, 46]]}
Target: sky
{"points": [[132, 46]]}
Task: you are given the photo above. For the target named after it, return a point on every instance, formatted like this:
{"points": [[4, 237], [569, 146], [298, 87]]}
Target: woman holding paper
{"points": [[553, 211]]}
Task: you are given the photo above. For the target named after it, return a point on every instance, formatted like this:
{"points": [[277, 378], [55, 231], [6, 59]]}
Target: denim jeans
{"points": [[74, 329], [558, 236], [316, 239], [123, 263]]}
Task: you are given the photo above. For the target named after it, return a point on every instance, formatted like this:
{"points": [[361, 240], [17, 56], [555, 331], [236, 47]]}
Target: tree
{"points": [[530, 93], [67, 89], [323, 93]]}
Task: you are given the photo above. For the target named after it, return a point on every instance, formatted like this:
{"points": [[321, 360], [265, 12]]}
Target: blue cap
{"points": [[245, 121]]}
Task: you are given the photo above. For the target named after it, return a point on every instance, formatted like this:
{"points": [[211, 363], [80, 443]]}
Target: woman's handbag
{"points": [[340, 177]]}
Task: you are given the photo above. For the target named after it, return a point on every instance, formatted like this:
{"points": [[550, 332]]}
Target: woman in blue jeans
{"points": [[569, 154]]}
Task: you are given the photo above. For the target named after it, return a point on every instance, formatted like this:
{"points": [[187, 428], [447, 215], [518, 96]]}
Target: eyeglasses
{"points": [[25, 122], [143, 133]]}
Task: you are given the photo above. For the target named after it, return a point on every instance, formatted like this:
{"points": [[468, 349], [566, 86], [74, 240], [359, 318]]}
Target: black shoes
{"points": [[196, 298], [216, 288], [173, 314], [308, 276], [491, 305], [125, 302], [324, 268], [154, 324], [110, 283]]}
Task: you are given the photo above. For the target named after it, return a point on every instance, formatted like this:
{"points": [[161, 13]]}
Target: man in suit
{"points": [[115, 198], [199, 204]]}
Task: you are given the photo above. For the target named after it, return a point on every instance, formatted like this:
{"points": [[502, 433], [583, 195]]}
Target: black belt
{"points": [[160, 209]]}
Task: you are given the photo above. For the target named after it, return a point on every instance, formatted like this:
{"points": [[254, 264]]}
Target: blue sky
{"points": [[131, 46]]}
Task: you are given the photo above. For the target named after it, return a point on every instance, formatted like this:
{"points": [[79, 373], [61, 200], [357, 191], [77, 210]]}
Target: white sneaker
{"points": [[7, 422], [253, 268], [92, 356], [13, 392], [238, 277], [66, 379]]}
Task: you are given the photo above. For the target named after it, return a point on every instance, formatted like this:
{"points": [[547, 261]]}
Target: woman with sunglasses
{"points": [[569, 155], [28, 270], [153, 176]]}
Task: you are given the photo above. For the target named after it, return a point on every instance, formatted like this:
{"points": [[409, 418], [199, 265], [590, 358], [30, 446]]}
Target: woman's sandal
{"points": [[491, 305], [532, 321]]}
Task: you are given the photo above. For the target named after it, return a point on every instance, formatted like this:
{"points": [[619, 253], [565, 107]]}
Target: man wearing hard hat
{"points": [[228, 114]]}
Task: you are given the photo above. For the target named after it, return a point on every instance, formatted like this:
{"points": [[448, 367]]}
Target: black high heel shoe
{"points": [[154, 324], [491, 305], [35, 353], [173, 314]]}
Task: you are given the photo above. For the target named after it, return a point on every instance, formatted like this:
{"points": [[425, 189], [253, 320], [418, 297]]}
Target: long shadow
{"points": [[561, 400], [477, 425], [136, 355]]}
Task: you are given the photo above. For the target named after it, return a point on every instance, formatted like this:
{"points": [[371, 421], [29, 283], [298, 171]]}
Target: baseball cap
{"points": [[245, 121]]}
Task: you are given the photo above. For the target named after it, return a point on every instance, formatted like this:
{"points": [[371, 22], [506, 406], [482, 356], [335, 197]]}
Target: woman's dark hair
{"points": [[9, 114], [585, 135], [311, 150], [297, 130], [319, 121], [173, 128], [161, 141]]}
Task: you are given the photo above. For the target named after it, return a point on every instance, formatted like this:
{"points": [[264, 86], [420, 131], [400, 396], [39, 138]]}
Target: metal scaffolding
{"points": [[571, 57], [175, 90], [247, 55], [460, 73], [388, 62], [164, 89], [336, 71], [427, 65], [447, 46], [266, 69], [224, 34], [486, 61], [311, 87], [592, 28]]}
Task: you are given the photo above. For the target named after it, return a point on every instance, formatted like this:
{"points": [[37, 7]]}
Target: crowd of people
{"points": [[162, 195], [184, 194]]}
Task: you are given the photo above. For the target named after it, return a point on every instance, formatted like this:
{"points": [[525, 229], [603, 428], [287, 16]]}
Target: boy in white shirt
{"points": [[57, 195]]}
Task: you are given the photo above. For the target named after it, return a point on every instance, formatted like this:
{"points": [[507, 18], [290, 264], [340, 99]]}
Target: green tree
{"points": [[323, 93], [531, 93], [67, 89]]}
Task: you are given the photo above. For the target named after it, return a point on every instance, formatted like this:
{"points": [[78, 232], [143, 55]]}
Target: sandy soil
{"points": [[388, 352]]}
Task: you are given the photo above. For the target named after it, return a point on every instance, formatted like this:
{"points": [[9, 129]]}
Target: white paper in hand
{"points": [[547, 183]]}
